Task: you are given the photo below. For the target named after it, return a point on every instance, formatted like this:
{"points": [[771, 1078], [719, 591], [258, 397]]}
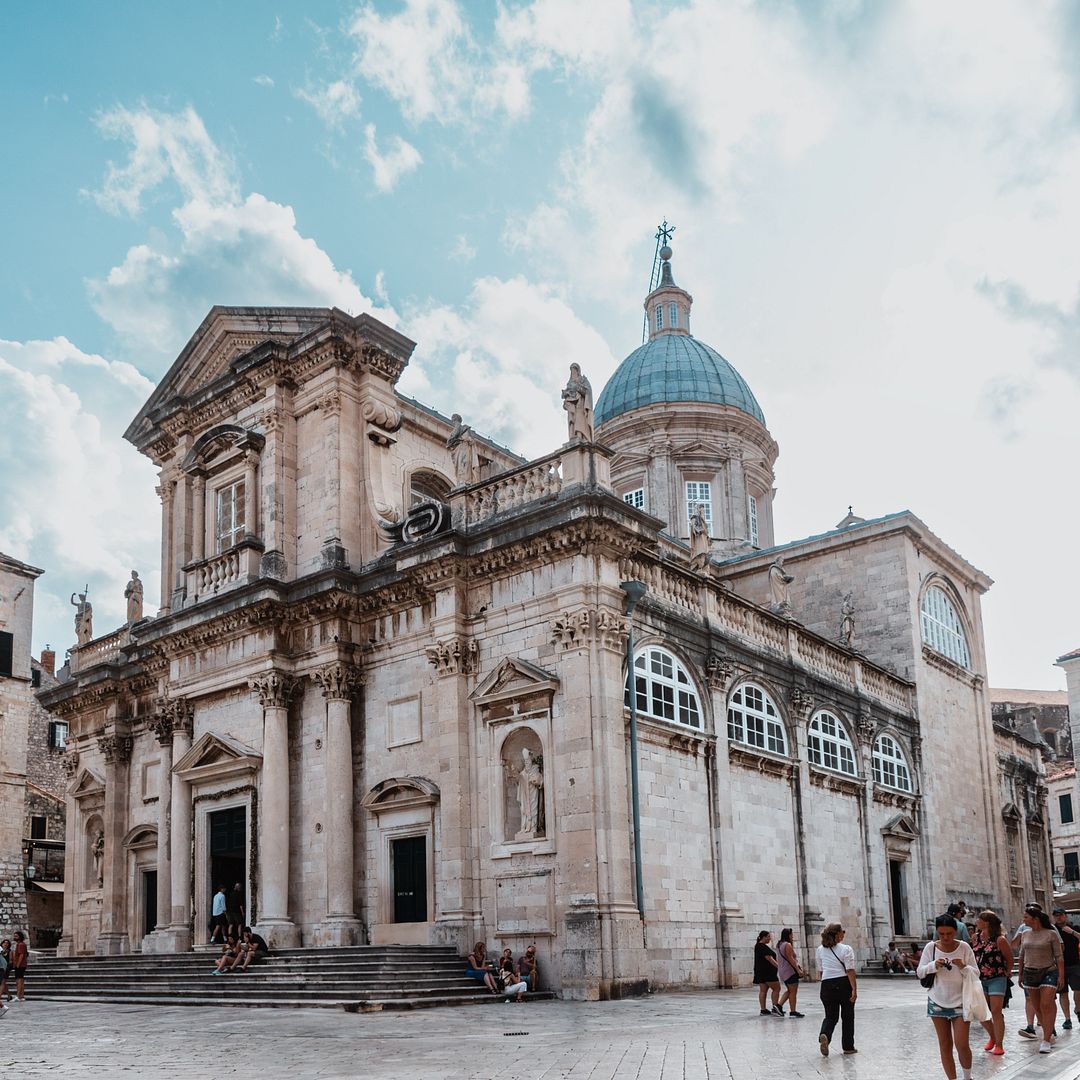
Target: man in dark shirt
{"points": [[1070, 944]]}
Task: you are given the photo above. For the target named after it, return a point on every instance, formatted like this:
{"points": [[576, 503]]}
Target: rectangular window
{"points": [[673, 315], [751, 513], [635, 498], [230, 515], [1072, 865], [7, 652], [1035, 847], [58, 734], [659, 316], [1014, 872], [37, 828], [1065, 807], [699, 492]]}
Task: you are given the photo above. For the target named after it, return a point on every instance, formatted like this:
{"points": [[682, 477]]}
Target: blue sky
{"points": [[875, 206]]}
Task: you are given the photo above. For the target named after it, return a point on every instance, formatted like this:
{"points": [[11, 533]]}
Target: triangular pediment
{"points": [[86, 782], [901, 827], [215, 754], [514, 678], [1011, 812], [701, 448]]}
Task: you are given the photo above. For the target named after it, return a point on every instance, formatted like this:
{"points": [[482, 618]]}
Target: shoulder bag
{"points": [[928, 980]]}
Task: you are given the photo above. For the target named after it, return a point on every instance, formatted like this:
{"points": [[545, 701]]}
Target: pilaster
{"points": [[115, 747], [178, 937], [161, 725]]}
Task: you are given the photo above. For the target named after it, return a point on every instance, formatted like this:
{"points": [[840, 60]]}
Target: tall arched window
{"points": [[426, 486], [889, 764], [942, 628], [753, 719], [828, 744], [664, 688]]}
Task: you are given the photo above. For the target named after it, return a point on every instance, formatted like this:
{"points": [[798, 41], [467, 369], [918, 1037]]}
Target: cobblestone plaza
{"points": [[713, 1035]]}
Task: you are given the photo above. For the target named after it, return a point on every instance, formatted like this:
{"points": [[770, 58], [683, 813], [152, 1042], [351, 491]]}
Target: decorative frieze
{"points": [[274, 689], [339, 681], [453, 656]]}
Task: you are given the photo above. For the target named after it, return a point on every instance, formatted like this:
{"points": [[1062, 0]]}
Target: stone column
{"points": [[165, 493], [161, 725], [113, 938], [333, 553], [179, 932], [275, 689], [339, 682], [198, 518], [251, 500], [72, 883], [181, 533]]}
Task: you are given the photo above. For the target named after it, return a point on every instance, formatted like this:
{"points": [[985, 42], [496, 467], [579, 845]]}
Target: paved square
{"points": [[714, 1035]]}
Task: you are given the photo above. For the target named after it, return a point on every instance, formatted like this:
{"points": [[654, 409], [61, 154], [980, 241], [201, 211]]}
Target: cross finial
{"points": [[664, 232]]}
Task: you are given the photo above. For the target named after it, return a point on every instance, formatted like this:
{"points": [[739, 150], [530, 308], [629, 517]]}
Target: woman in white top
{"points": [[836, 962], [946, 958]]}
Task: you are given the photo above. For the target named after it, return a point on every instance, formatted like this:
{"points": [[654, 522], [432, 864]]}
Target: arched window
{"points": [[942, 629], [753, 719], [428, 487], [664, 689], [889, 764], [828, 744], [659, 316], [673, 314]]}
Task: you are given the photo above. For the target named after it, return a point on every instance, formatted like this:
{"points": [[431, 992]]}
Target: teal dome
{"points": [[672, 368]]}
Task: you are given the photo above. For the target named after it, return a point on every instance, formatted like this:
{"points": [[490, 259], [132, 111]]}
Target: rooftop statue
{"points": [[133, 593], [578, 403], [779, 582], [462, 446], [84, 617]]}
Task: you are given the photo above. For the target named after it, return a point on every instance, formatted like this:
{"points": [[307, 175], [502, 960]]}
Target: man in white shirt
{"points": [[217, 917]]}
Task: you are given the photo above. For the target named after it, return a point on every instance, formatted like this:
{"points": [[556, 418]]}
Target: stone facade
{"points": [[16, 704], [1063, 800], [386, 688], [1042, 715]]}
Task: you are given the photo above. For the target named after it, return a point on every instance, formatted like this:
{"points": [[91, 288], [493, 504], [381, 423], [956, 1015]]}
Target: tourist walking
{"points": [[1042, 971], [5, 957], [1028, 1031], [20, 957], [789, 972], [1070, 946], [765, 975], [945, 959], [994, 955], [836, 962]]}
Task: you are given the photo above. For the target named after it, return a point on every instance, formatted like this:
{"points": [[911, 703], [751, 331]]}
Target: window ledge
{"points": [[836, 781], [761, 761], [669, 733], [950, 666], [888, 796]]}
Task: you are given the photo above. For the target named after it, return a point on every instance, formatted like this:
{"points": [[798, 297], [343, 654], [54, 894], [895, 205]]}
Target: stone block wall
{"points": [[12, 895]]}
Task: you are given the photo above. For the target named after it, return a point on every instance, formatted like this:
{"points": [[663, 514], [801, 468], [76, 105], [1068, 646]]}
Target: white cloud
{"points": [[463, 250], [164, 146], [389, 167], [84, 504], [226, 249], [507, 354], [335, 102], [263, 80]]}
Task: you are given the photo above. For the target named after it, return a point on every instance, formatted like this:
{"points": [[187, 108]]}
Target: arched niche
{"points": [[524, 815], [93, 862]]}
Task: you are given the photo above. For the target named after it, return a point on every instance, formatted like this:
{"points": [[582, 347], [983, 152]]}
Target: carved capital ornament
{"points": [[274, 689], [339, 681]]}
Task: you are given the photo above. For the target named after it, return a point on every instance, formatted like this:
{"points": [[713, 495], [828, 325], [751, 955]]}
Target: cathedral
{"points": [[386, 690]]}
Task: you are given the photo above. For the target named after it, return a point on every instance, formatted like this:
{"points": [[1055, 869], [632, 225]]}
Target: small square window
{"points": [[635, 498], [58, 734]]}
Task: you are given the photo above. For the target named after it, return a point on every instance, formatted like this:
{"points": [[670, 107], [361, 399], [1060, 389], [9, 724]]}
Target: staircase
{"points": [[360, 979]]}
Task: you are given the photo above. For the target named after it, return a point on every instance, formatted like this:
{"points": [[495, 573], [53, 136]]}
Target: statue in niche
{"points": [[462, 446], [84, 617], [133, 594], [847, 622], [779, 582], [97, 851], [578, 403], [700, 542], [530, 796]]}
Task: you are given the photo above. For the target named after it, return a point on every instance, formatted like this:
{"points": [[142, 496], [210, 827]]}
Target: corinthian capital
{"points": [[339, 681], [115, 748], [274, 688]]}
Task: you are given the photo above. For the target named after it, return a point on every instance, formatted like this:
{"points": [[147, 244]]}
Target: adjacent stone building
{"points": [[16, 704], [1039, 714], [386, 688]]}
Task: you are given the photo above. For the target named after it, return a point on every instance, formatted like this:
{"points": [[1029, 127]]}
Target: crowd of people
{"points": [[967, 973], [508, 977]]}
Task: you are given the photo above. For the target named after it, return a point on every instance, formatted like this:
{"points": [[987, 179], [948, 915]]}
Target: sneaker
{"points": [[1026, 1032], [1067, 1025], [764, 1012], [215, 972], [777, 1011], [797, 1015], [851, 1051], [1044, 1047], [823, 1044]]}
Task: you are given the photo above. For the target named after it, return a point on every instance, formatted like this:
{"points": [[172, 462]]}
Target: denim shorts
{"points": [[1033, 978], [941, 1013], [995, 987]]}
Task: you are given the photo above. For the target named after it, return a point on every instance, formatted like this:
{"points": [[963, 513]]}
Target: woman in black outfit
{"points": [[765, 974]]}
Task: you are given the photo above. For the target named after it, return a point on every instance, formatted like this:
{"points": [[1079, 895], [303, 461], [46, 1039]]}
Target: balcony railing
{"points": [[236, 566], [101, 650]]}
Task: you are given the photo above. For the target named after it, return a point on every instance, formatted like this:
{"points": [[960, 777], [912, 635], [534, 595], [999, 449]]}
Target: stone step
{"points": [[349, 1004]]}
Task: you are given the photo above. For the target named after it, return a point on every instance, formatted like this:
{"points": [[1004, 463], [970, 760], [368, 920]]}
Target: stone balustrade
{"points": [[219, 573], [101, 650], [510, 490]]}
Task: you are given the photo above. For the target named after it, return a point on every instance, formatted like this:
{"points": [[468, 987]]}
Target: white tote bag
{"points": [[975, 1007]]}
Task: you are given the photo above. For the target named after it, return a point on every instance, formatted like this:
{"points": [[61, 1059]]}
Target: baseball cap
{"points": [[1059, 911]]}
